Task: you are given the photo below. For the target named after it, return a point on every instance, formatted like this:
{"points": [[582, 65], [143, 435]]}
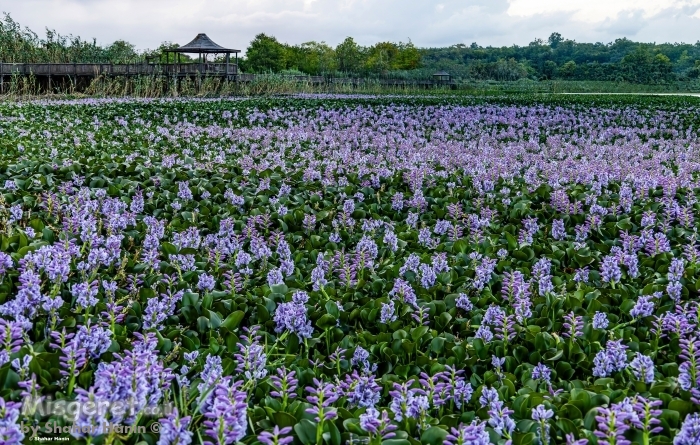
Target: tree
{"points": [[549, 71], [381, 56], [265, 53], [315, 58], [121, 52], [568, 70], [349, 56], [555, 39], [408, 57]]}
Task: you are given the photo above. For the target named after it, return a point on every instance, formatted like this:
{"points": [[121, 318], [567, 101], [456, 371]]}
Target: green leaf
{"points": [[306, 431], [433, 436], [284, 420], [233, 320], [326, 321]]}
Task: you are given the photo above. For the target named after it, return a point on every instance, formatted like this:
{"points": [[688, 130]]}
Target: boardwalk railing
{"points": [[98, 69]]}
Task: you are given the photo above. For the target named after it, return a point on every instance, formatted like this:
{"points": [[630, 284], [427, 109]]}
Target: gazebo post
{"points": [[228, 59]]}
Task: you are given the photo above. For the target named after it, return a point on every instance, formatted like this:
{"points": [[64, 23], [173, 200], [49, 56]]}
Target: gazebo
{"points": [[203, 45], [441, 77]]}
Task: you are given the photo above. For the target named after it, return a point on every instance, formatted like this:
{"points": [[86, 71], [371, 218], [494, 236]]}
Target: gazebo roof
{"points": [[203, 44], [441, 73]]}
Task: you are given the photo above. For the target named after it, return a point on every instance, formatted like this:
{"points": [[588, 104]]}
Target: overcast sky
{"points": [[233, 23]]}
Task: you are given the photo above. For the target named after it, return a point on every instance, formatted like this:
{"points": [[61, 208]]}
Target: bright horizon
{"points": [[427, 24]]}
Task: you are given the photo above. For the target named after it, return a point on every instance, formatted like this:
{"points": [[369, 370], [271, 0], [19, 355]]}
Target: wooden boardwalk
{"points": [[106, 69], [83, 72]]}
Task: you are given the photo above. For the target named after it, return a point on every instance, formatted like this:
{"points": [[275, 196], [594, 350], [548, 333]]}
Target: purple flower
{"points": [[251, 358], [85, 294], [6, 263], [464, 303], [643, 368], [15, 213], [541, 372], [610, 270], [427, 276], [173, 430], [484, 333], [690, 431], [227, 417], [274, 277], [361, 390], [600, 320], [541, 415], [657, 244], [10, 430], [472, 434], [277, 436], [611, 359], [387, 314], [581, 275], [292, 317], [674, 290], [206, 282], [360, 359], [284, 384], [558, 230], [612, 426], [184, 191], [644, 307], [322, 395], [500, 419], [396, 201], [391, 241], [404, 292], [483, 273], [573, 326]]}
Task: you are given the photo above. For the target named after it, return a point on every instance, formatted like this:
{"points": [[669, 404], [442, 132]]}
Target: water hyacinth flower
{"points": [[227, 417], [361, 390], [206, 282], [611, 359], [284, 384], [573, 326], [387, 314], [542, 372], [612, 426], [464, 303], [644, 307], [277, 436], [291, 317], [689, 433], [10, 428], [600, 320], [377, 425], [558, 230], [541, 415], [251, 358], [471, 434], [174, 430], [610, 270], [500, 420]]}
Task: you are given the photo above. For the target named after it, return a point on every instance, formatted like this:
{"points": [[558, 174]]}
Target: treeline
{"points": [[22, 45], [555, 58], [560, 58], [267, 54]]}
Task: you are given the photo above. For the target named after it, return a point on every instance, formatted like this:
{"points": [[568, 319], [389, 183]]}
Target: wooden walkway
{"points": [[106, 69], [84, 72]]}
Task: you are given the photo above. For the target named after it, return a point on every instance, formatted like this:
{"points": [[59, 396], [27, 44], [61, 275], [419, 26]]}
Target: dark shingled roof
{"points": [[202, 44]]}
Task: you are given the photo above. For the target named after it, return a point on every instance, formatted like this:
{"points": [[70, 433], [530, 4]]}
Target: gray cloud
{"points": [[147, 23]]}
